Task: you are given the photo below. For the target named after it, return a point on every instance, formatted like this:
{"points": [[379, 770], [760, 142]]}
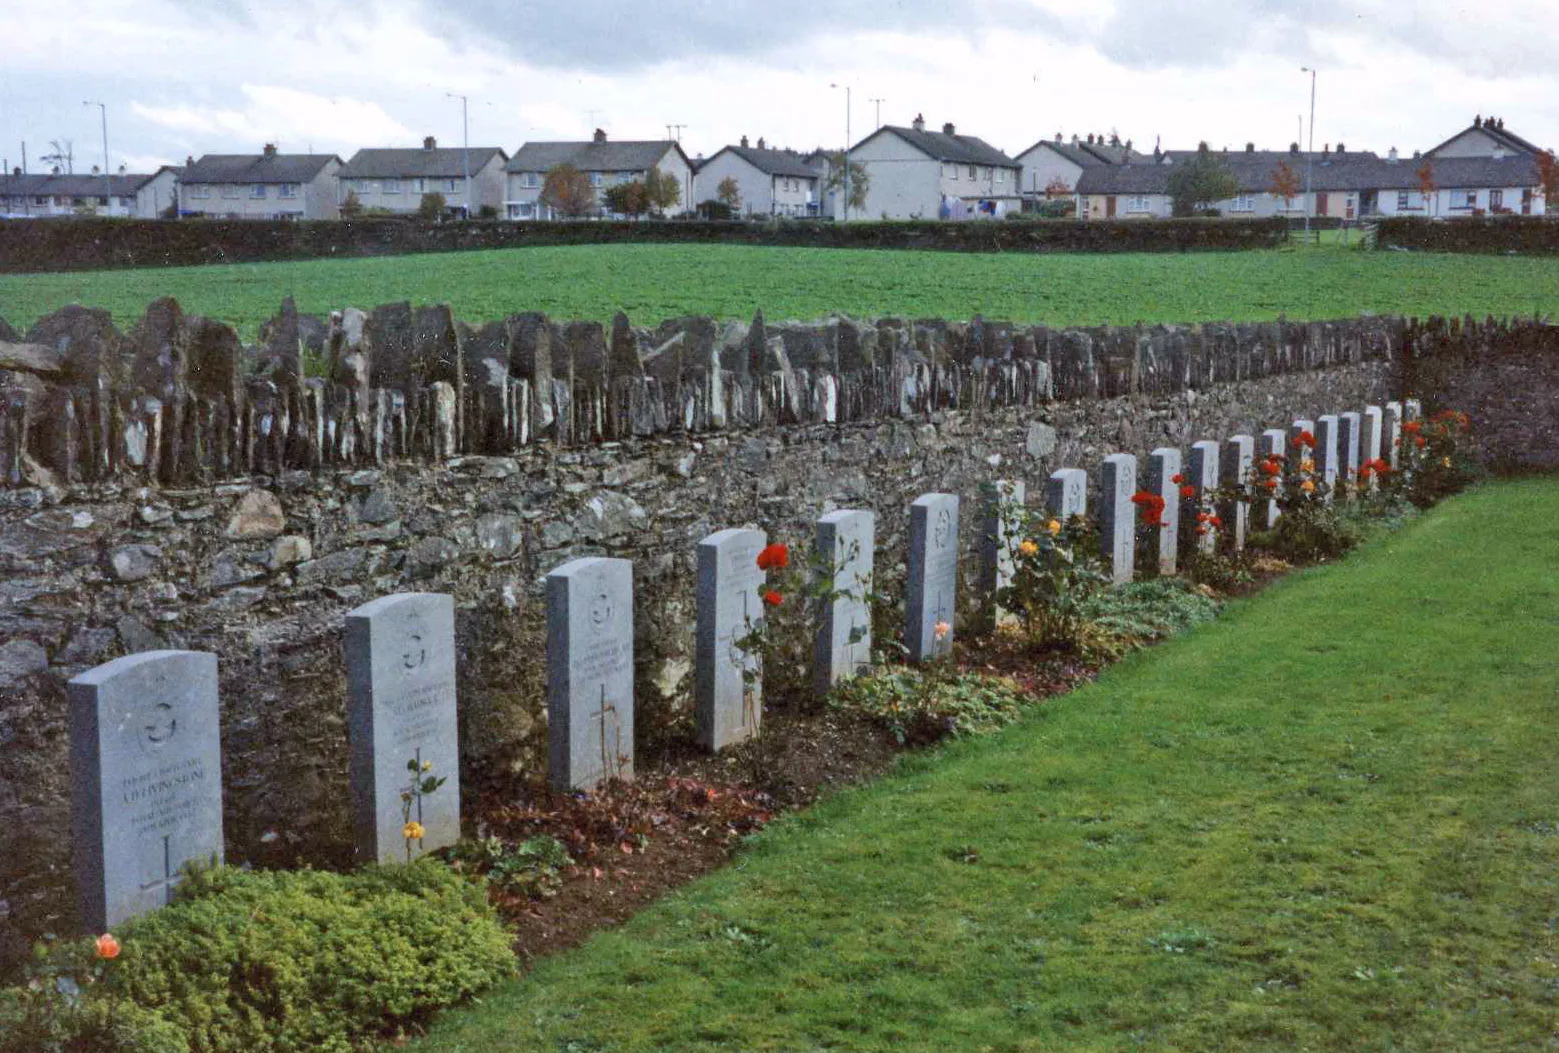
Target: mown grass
{"points": [[1328, 821], [655, 282]]}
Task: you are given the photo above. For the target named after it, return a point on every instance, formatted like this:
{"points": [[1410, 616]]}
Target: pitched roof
{"points": [[940, 146], [438, 162], [1510, 140], [119, 185], [771, 162], [256, 168], [626, 156], [1351, 172]]}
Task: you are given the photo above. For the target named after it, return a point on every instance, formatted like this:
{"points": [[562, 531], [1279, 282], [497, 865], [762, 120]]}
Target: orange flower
{"points": [[1202, 517], [1420, 441], [1304, 439], [1412, 427], [1272, 467], [775, 556], [1188, 492], [107, 947], [1307, 486], [1216, 521], [1177, 478], [1201, 530], [772, 598], [1272, 484]]}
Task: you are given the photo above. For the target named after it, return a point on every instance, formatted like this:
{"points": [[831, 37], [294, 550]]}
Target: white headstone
{"points": [[1163, 466], [1274, 443], [1066, 494], [1305, 453], [843, 647], [1118, 516], [400, 679], [146, 779], [590, 672], [1238, 460], [931, 590], [1349, 440], [1000, 520], [1202, 477], [1374, 436], [728, 704], [1327, 469], [1391, 435]]}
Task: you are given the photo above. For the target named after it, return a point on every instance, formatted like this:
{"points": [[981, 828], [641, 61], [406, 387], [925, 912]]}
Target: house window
{"points": [[1472, 199], [1001, 175], [1402, 201], [1139, 203], [1244, 203], [392, 186], [530, 180], [418, 185], [41, 199], [1496, 199], [257, 191], [973, 172], [288, 190], [200, 190], [230, 190], [595, 178]]}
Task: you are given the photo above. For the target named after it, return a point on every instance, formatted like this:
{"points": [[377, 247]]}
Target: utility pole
{"points": [[846, 149], [108, 198], [674, 131], [1309, 154], [879, 103], [465, 136]]}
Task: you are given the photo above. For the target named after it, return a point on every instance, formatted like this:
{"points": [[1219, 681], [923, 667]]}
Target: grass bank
{"points": [[1328, 821], [655, 282]]}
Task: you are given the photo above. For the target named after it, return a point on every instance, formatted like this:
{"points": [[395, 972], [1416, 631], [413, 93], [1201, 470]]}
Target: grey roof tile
{"points": [[439, 162], [256, 168]]}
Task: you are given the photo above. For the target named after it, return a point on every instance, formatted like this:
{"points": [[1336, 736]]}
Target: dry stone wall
{"points": [[253, 506]]}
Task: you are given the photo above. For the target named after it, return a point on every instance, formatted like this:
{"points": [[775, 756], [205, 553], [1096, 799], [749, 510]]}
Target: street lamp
{"points": [[108, 200], [465, 135], [1309, 154], [846, 149]]}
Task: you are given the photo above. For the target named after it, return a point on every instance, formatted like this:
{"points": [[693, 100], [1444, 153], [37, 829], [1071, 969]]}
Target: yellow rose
{"points": [[412, 831], [1054, 526], [427, 765], [1028, 548], [1307, 465], [1307, 486], [1445, 461]]}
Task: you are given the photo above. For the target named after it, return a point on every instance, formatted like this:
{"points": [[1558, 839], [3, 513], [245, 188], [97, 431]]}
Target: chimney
{"points": [[1058, 137], [600, 136], [1128, 146], [1090, 138], [1500, 124], [1250, 148], [94, 170], [430, 143], [1293, 148], [947, 129], [189, 160], [1391, 155], [121, 169], [1341, 148], [744, 142], [1417, 154], [761, 144], [17, 170], [1326, 149], [919, 123], [270, 150], [1477, 121]]}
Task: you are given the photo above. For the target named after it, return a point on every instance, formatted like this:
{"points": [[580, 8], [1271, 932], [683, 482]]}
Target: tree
{"points": [[1285, 184], [661, 190], [1426, 185], [64, 155], [860, 182], [1058, 187], [432, 206], [567, 190], [729, 194], [628, 199], [351, 205], [1548, 177], [1196, 184]]}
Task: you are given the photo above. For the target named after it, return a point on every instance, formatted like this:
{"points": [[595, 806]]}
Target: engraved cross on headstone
{"points": [[169, 877]]}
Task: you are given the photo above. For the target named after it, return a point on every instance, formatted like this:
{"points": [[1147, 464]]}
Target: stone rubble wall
{"points": [[211, 498]]}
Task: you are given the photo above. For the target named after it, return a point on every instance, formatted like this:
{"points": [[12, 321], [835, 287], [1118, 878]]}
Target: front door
{"points": [[1109, 207], [1320, 203], [1526, 202]]}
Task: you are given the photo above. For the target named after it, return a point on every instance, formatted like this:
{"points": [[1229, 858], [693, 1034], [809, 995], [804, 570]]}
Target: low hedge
{"points": [[1526, 235], [259, 961], [88, 244]]}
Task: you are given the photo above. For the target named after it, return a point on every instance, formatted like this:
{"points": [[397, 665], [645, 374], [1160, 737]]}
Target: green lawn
{"points": [[655, 282], [1328, 821]]}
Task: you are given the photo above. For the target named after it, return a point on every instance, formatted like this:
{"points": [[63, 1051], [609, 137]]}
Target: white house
{"points": [[770, 182], [1053, 162], [916, 174], [396, 179], [605, 162], [267, 185], [137, 196]]}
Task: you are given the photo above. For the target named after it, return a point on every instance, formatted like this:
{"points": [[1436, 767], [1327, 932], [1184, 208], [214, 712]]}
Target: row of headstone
{"points": [[145, 729]]}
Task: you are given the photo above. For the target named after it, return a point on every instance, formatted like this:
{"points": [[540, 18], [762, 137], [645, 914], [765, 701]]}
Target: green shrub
{"points": [[931, 702], [257, 961], [533, 867], [1143, 611], [1309, 533]]}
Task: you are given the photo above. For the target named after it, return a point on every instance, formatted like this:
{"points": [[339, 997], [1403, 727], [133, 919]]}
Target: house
{"points": [[395, 180], [605, 163], [916, 174], [138, 195], [1057, 164], [1484, 169], [771, 182], [267, 185]]}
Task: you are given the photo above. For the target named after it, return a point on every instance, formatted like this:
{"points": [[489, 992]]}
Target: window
{"points": [[1138, 203], [530, 180], [392, 186], [972, 172], [1001, 175], [418, 185], [595, 178], [200, 190], [1244, 203], [451, 185], [41, 199], [1472, 199], [288, 190], [1496, 199], [230, 190], [1402, 201], [257, 191]]}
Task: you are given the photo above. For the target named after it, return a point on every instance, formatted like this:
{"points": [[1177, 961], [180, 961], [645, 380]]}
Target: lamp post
{"points": [[846, 149], [465, 138], [1309, 154], [108, 198], [879, 103]]}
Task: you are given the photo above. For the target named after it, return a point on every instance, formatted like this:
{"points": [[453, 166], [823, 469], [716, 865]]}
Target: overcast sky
{"points": [[224, 76]]}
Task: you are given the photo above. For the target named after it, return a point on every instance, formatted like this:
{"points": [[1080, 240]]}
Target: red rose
{"points": [[774, 556], [1177, 478], [1215, 521], [1188, 491], [772, 598]]}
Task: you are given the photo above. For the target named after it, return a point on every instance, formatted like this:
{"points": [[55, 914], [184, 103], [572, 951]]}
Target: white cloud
{"points": [[286, 116]]}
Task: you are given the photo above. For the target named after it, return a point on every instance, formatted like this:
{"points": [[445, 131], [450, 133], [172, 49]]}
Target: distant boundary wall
{"points": [[1519, 235], [95, 244]]}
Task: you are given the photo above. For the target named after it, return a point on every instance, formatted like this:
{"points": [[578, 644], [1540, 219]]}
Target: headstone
{"points": [[1412, 409], [1274, 443], [400, 678], [590, 672], [1374, 438], [843, 647], [1303, 454], [1163, 466], [727, 707], [1066, 494], [1117, 515], [931, 592], [1202, 477], [146, 779], [1238, 459], [1326, 429], [1349, 426], [1391, 436], [1000, 521]]}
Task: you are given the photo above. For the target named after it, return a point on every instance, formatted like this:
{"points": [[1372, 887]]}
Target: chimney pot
{"points": [[1341, 148], [919, 123], [600, 136], [1293, 148], [189, 160], [430, 143], [1058, 137], [761, 144], [744, 142], [270, 150], [94, 170], [1250, 148], [1090, 138], [1326, 148], [947, 129], [1391, 155]]}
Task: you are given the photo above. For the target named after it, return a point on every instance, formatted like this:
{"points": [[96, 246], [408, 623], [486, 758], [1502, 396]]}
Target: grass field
{"points": [[1328, 821], [655, 282]]}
